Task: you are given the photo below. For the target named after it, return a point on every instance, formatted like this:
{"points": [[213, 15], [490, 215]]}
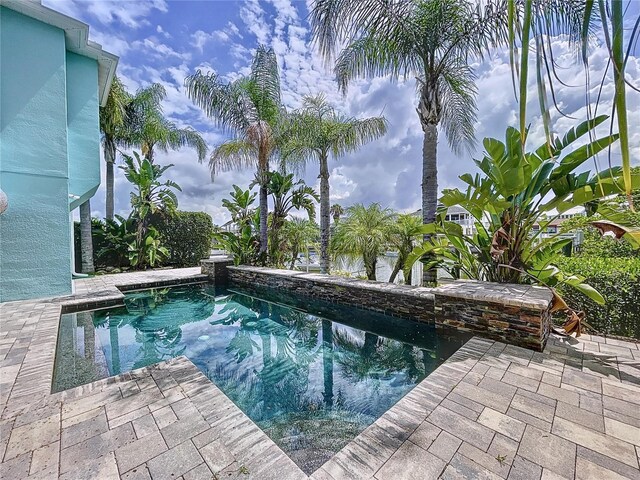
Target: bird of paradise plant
{"points": [[516, 191], [531, 24]]}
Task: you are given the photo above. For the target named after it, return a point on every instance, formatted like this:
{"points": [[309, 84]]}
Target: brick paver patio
{"points": [[491, 411]]}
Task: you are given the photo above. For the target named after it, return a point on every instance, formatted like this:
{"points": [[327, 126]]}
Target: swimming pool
{"points": [[311, 374]]}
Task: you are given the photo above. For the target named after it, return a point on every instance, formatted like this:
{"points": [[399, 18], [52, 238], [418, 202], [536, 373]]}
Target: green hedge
{"points": [[187, 236], [618, 280]]}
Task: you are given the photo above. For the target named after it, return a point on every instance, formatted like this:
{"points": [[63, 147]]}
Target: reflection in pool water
{"points": [[312, 379]]}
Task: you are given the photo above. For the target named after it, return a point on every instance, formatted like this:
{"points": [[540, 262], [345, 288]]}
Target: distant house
{"points": [[462, 217], [459, 215], [52, 82], [230, 226], [554, 226]]}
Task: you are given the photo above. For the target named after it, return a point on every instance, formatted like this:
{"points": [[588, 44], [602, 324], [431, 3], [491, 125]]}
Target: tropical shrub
{"points": [[111, 240], [240, 205], [364, 233], [515, 191], [243, 245], [594, 244], [286, 195], [404, 236], [299, 234], [186, 235], [618, 280], [150, 196], [148, 251]]}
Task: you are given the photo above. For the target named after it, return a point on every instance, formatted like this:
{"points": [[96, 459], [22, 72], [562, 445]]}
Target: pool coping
{"points": [[372, 452], [48, 325]]}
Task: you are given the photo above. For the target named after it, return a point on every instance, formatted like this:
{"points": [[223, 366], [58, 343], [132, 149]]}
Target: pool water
{"points": [[312, 375]]}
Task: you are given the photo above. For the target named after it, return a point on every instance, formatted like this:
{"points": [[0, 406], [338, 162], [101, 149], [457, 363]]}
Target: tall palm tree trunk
{"points": [[264, 213], [110, 158], [324, 214], [429, 187], [147, 150], [86, 243], [263, 169]]}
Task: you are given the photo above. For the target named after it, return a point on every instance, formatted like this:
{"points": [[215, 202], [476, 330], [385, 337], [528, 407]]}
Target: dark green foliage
{"points": [[111, 239], [187, 236], [618, 280], [598, 246]]}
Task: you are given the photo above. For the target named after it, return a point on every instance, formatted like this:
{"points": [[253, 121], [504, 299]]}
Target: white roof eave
{"points": [[76, 35]]}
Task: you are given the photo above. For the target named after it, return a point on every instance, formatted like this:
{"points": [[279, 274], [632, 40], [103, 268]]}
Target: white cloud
{"points": [[158, 49], [132, 14], [254, 20], [386, 171], [162, 32]]}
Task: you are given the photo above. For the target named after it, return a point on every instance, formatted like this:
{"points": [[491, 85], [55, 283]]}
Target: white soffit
{"points": [[76, 35]]}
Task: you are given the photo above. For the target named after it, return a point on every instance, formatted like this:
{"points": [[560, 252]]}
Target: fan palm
{"points": [[113, 119], [317, 131], [250, 108], [149, 130], [364, 233], [431, 40]]}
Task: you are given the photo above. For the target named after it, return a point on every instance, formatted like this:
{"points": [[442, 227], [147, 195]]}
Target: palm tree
{"points": [[299, 233], [113, 119], [250, 108], [430, 40], [405, 234], [148, 128], [336, 211], [364, 233], [315, 132]]}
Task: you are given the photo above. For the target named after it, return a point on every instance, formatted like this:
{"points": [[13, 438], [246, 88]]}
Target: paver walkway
{"points": [[491, 411]]}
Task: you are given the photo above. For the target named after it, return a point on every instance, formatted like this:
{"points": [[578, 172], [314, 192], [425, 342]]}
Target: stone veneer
{"points": [[216, 269], [515, 314]]}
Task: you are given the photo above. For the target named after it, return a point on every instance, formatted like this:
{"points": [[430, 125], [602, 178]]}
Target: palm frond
{"points": [[113, 114], [181, 137], [365, 230], [226, 104], [149, 98], [373, 55], [457, 92], [234, 154], [336, 21], [265, 80], [317, 130], [351, 134]]}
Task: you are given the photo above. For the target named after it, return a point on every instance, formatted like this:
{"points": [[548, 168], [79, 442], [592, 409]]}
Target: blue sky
{"points": [[164, 41]]}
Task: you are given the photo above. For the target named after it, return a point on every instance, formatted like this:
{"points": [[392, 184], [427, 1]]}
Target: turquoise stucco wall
{"points": [[83, 134], [35, 253]]}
